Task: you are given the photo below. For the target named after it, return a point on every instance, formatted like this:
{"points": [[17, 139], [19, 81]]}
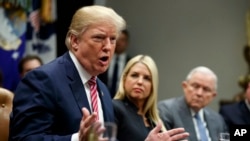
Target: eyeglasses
{"points": [[196, 86]]}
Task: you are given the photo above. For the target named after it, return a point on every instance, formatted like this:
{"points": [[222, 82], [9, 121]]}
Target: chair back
{"points": [[6, 98]]}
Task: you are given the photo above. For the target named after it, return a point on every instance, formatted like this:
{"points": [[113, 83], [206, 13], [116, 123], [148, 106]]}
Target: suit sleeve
{"points": [[224, 113], [34, 110], [165, 114]]}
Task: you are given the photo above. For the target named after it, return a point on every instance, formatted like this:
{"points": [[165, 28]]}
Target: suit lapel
{"points": [[106, 102], [211, 125], [187, 120], [80, 95], [101, 96], [75, 84], [79, 92]]}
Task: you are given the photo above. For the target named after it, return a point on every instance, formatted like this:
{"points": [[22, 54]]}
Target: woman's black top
{"points": [[130, 124]]}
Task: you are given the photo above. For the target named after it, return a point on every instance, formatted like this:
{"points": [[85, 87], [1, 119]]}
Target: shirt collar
{"points": [[201, 113], [85, 76]]}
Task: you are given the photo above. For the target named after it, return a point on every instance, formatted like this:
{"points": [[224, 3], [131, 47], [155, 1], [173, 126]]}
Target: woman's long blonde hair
{"points": [[150, 105]]}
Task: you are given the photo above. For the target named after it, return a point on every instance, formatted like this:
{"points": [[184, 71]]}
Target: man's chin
{"points": [[196, 107], [103, 69]]}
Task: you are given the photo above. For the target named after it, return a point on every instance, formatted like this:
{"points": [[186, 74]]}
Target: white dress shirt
{"points": [[85, 76], [201, 114]]}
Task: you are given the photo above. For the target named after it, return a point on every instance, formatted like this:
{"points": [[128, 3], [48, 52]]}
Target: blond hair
{"points": [[89, 15], [150, 105]]}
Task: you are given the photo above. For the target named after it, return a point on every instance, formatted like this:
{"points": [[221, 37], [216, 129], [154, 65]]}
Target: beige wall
{"points": [[182, 34]]}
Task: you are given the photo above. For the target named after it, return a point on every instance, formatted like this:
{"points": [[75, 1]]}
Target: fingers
{"points": [[175, 131], [177, 134], [98, 128], [180, 136], [87, 118], [154, 133], [85, 112], [157, 128], [86, 125], [95, 131]]}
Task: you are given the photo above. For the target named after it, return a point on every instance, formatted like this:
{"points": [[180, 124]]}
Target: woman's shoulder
{"points": [[117, 102], [119, 107]]}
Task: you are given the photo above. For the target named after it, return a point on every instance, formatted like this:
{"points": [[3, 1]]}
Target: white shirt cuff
{"points": [[75, 137]]}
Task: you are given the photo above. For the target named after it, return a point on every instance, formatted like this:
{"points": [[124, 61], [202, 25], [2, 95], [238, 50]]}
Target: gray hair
{"points": [[205, 70]]}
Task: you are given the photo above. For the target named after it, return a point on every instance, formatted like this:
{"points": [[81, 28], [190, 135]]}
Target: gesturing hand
{"points": [[170, 135], [89, 128]]}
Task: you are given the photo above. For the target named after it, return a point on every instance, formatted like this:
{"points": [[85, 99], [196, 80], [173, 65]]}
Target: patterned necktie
{"points": [[93, 94], [201, 128]]}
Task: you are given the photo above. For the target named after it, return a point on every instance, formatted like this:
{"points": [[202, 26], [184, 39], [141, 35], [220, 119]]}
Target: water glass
{"points": [[110, 131], [224, 137]]}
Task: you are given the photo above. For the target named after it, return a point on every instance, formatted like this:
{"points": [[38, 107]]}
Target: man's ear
{"points": [[214, 94], [74, 42], [184, 84]]}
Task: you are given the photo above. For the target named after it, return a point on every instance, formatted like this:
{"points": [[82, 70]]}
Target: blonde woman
{"points": [[135, 103]]}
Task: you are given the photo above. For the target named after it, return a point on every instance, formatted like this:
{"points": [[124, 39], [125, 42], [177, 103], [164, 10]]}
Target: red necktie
{"points": [[93, 94]]}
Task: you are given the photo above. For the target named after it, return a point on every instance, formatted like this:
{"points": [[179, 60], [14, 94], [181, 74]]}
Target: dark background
{"points": [[65, 11]]}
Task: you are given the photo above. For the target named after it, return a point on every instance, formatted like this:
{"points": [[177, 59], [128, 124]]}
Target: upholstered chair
{"points": [[6, 98]]}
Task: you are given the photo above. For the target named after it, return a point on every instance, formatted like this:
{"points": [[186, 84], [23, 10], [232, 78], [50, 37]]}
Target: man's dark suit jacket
{"points": [[236, 113], [176, 113], [48, 101]]}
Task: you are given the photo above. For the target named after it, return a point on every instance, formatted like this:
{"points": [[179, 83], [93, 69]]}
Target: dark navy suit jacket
{"points": [[48, 101], [236, 113]]}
